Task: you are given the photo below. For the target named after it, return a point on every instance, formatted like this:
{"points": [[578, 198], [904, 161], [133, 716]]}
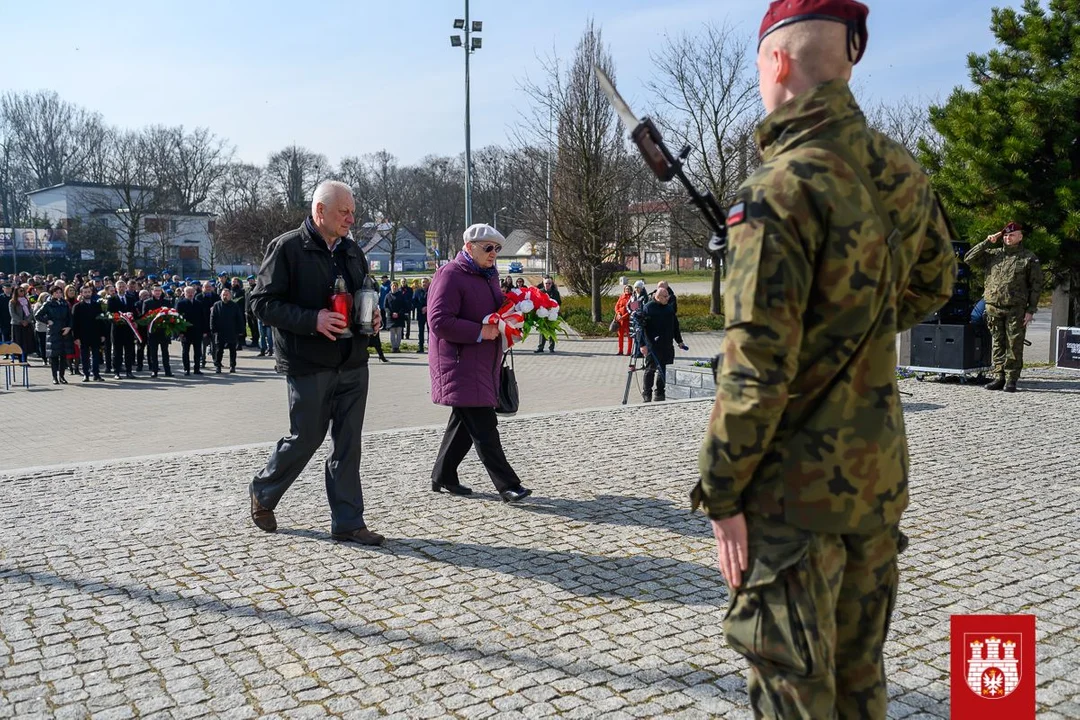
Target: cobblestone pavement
{"points": [[140, 588]]}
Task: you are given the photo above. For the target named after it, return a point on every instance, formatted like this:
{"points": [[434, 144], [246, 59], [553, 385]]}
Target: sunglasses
{"points": [[491, 248]]}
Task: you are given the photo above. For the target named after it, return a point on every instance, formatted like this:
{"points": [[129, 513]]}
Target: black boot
{"points": [[646, 397], [997, 384], [1010, 385]]}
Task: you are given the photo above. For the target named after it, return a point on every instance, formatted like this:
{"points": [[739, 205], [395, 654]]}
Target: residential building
{"points": [[410, 250], [178, 241]]}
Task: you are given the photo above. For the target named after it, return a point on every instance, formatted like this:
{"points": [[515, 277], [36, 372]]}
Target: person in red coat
{"points": [[466, 362]]}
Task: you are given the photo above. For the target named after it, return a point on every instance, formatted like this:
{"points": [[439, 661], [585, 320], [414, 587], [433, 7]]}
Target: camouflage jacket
{"points": [[807, 426], [1014, 277]]}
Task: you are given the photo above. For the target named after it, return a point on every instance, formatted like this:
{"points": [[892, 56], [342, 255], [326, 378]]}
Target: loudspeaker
{"points": [[950, 347]]}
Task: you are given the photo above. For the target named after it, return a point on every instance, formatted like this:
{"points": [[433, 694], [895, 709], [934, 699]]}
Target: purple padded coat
{"points": [[464, 372]]}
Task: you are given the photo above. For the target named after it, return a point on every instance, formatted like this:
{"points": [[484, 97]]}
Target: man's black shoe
{"points": [[86, 378], [98, 378], [1010, 386], [646, 397], [996, 384], [539, 350], [363, 536], [660, 397], [264, 519], [455, 489], [198, 372], [130, 376], [516, 494]]}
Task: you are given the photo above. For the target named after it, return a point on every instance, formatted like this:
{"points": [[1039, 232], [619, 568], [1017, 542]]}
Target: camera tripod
{"points": [[635, 355]]}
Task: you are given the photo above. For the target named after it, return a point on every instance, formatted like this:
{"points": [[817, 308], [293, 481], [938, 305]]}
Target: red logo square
{"points": [[992, 667]]}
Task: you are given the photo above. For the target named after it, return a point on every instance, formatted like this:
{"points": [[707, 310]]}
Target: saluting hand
{"points": [[994, 238], [731, 548]]}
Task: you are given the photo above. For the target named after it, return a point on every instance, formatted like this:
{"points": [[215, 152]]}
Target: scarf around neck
{"points": [[468, 260]]}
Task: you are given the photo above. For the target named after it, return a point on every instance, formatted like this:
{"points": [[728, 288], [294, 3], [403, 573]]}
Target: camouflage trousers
{"points": [[811, 618], [1007, 331]]}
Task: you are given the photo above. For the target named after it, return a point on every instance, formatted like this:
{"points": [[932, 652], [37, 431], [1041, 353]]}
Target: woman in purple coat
{"points": [[466, 360]]}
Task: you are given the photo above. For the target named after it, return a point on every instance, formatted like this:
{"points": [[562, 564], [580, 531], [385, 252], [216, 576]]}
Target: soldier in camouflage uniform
{"points": [[1013, 283], [836, 243]]}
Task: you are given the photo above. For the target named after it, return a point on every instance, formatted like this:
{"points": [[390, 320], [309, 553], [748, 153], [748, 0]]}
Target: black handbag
{"points": [[508, 389]]}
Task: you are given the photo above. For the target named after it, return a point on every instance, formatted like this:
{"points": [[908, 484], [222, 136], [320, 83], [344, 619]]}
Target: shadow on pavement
{"points": [[624, 510], [1055, 386], [641, 577], [922, 407]]}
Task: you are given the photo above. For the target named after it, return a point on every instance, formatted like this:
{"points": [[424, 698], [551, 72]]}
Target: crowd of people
{"points": [[90, 323]]}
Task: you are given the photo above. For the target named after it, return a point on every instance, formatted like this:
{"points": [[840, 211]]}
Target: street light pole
{"points": [[468, 127], [471, 44], [495, 217], [547, 219]]}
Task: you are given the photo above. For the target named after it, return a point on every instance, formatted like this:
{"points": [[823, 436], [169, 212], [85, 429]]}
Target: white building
{"points": [[178, 241]]}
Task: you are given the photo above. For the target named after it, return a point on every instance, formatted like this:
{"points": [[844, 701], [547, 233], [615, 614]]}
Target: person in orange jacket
{"points": [[622, 317]]}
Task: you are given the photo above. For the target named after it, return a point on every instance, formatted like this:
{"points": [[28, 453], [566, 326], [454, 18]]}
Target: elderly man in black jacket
{"points": [[661, 331], [327, 374]]}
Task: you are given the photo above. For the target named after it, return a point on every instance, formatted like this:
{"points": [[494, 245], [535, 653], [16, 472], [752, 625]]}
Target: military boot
{"points": [[1010, 385], [998, 384], [646, 397]]}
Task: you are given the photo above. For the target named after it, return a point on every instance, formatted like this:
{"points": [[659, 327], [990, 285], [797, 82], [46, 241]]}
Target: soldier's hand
{"points": [[330, 324], [731, 548], [1027, 318], [994, 238]]}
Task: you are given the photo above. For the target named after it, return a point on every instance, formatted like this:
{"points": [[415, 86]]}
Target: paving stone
{"points": [[597, 596]]}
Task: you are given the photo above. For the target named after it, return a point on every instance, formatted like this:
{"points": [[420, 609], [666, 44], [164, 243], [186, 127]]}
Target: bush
{"points": [[693, 314]]}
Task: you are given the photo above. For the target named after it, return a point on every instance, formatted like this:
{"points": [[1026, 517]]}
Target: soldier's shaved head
{"points": [[793, 59]]}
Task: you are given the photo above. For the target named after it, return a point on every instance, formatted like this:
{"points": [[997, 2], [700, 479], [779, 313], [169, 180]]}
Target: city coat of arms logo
{"points": [[993, 667], [993, 664]]}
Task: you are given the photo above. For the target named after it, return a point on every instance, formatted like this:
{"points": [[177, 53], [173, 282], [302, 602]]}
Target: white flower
{"points": [[525, 306], [541, 312], [553, 314]]}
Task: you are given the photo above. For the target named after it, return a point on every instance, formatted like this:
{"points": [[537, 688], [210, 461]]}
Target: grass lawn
{"points": [[693, 315]]}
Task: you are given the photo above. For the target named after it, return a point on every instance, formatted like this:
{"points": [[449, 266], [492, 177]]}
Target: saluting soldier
{"points": [[1014, 280], [837, 242]]}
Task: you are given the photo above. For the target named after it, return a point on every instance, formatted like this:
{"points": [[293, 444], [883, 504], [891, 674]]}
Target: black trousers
{"points": [[155, 343], [107, 352], [91, 359], [219, 353], [474, 427], [187, 345], [408, 325], [652, 376], [328, 399], [421, 325], [140, 355], [123, 351]]}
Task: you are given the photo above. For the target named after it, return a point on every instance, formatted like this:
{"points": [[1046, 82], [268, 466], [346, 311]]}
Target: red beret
{"points": [[787, 12], [1012, 227]]}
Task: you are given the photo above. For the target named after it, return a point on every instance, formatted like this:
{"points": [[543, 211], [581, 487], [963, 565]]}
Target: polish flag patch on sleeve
{"points": [[736, 214]]}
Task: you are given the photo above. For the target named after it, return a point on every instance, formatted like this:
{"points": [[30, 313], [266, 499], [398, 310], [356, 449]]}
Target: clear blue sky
{"points": [[349, 77]]}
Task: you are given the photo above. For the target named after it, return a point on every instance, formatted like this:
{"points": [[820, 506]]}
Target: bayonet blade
{"points": [[625, 113]]}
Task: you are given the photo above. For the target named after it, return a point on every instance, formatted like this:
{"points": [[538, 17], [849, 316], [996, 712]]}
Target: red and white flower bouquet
{"points": [[526, 310]]}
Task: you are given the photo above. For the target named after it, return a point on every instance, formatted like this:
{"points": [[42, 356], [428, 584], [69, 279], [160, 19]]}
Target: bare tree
{"points": [[294, 173], [708, 100], [592, 179], [187, 165], [133, 196], [246, 230], [439, 201], [54, 138], [907, 121], [393, 190]]}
